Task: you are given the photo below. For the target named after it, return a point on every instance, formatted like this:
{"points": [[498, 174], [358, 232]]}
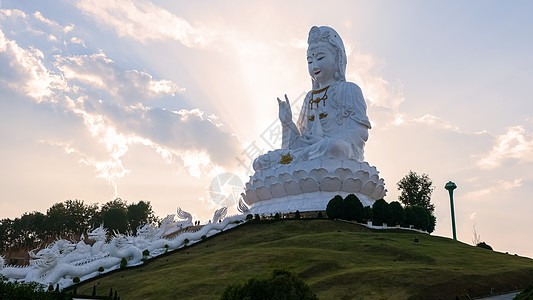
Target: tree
{"points": [[397, 214], [116, 219], [353, 208], [57, 219], [115, 215], [77, 220], [381, 212], [416, 190], [281, 285], [335, 207], [139, 214]]}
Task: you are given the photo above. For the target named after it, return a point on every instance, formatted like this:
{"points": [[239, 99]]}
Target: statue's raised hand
{"points": [[285, 113]]}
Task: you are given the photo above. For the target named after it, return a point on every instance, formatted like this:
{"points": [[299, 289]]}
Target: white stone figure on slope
{"points": [[322, 154], [62, 261]]}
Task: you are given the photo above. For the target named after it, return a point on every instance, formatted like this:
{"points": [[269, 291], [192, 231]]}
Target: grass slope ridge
{"points": [[338, 260]]}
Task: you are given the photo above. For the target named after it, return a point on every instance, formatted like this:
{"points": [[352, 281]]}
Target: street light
{"points": [[450, 186]]}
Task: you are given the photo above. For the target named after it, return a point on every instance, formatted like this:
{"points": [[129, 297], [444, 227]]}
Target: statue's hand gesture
{"points": [[285, 113]]}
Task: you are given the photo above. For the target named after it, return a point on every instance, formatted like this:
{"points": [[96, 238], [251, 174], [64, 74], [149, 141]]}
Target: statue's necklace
{"points": [[316, 100]]}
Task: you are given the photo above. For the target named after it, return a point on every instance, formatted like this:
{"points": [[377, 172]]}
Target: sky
{"points": [[166, 101]]}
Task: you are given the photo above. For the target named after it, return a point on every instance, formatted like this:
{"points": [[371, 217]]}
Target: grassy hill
{"points": [[338, 260]]}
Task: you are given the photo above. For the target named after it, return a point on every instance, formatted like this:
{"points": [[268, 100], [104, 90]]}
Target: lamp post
{"points": [[450, 186]]}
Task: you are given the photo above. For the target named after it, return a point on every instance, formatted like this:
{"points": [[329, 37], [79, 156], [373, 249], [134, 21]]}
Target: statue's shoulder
{"points": [[349, 86]]}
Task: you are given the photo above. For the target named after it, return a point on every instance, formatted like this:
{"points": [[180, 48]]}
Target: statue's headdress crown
{"points": [[330, 36]]}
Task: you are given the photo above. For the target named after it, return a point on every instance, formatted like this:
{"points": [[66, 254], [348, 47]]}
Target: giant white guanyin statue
{"points": [[322, 154]]}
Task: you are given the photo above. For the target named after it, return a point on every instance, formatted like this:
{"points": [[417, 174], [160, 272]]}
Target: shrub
{"points": [[101, 269], [257, 217], [249, 216], [276, 216], [367, 213], [352, 208], [186, 242], [146, 252], [76, 279], [484, 246], [397, 216], [281, 285], [320, 215], [18, 290], [380, 212], [335, 207], [203, 237], [297, 215], [420, 217], [123, 263], [526, 294]]}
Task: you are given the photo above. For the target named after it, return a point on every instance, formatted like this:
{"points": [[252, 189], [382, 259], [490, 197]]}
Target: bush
{"points": [[397, 216], [352, 209], [335, 207], [297, 215], [381, 212], [123, 263], [249, 216], [17, 290], [320, 216], [101, 269], [420, 217], [367, 213], [256, 217], [76, 279], [526, 294], [281, 285], [484, 246], [146, 252], [186, 241], [276, 216], [203, 237]]}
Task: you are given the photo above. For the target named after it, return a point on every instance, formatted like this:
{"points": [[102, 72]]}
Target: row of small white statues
{"points": [[64, 260]]}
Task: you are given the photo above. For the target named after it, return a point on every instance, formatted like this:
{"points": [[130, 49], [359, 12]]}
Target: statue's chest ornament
{"points": [[316, 97]]}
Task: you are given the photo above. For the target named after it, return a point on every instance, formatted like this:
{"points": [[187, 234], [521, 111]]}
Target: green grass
{"points": [[338, 260]]}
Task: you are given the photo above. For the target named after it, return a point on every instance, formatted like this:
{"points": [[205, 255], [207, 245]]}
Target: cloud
{"points": [[37, 15], [123, 86], [436, 122], [364, 69], [185, 131], [493, 188], [111, 101], [12, 13], [24, 71], [516, 144], [143, 21]]}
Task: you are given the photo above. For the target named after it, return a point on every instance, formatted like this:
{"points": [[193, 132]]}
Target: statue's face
{"points": [[321, 63]]}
